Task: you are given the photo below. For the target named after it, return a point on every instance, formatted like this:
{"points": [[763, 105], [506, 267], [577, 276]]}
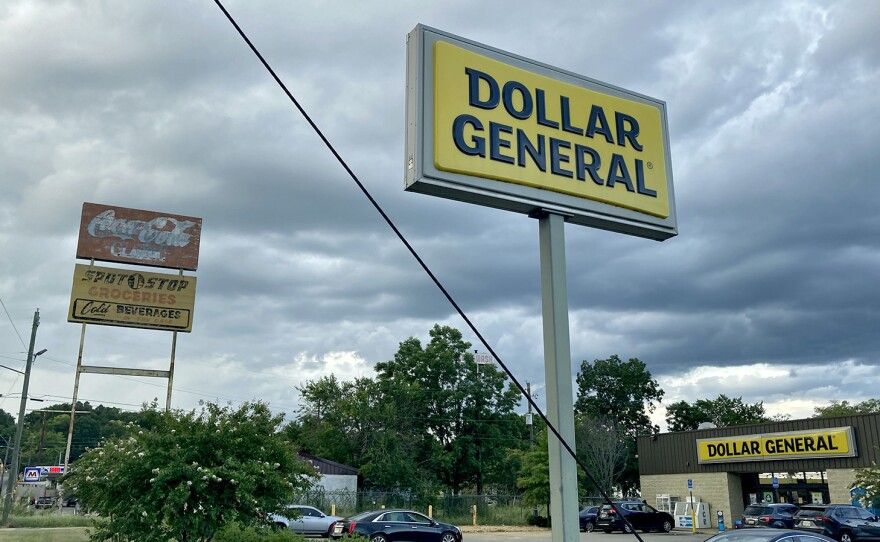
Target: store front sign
{"points": [[835, 442]]}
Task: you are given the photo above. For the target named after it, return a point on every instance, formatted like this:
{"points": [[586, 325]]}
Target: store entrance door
{"points": [[789, 487]]}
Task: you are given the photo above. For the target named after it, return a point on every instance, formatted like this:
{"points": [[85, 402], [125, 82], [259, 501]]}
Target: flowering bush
{"points": [[184, 475], [869, 480]]}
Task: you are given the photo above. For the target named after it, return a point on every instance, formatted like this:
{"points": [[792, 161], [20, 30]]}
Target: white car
{"points": [[310, 521]]}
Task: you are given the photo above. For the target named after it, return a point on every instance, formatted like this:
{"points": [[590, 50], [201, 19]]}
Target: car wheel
{"points": [[378, 538], [447, 537], [846, 537], [280, 526], [589, 527], [778, 525], [627, 529], [667, 526]]}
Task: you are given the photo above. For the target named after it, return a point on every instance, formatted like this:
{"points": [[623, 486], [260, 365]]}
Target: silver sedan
{"points": [[308, 521]]}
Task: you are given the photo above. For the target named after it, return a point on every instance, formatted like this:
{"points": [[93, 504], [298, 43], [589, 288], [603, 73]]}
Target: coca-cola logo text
{"points": [[160, 231]]}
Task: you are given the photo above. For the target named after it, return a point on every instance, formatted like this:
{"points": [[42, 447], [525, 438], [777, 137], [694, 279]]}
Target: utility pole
{"points": [[13, 471]]}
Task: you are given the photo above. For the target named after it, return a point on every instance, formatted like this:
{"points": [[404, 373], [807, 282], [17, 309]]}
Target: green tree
{"points": [[464, 410], [844, 408], [721, 411], [186, 474], [534, 475], [624, 392]]}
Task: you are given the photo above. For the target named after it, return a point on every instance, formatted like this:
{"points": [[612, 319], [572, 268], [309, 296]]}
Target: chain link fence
{"points": [[455, 509]]}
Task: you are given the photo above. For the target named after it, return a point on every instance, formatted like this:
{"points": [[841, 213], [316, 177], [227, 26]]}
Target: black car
{"points": [[640, 515], [843, 522], [764, 534], [396, 526], [587, 518], [776, 515]]}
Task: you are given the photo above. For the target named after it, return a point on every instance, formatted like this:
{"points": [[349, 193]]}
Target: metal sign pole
{"points": [[557, 368], [171, 372], [79, 359]]}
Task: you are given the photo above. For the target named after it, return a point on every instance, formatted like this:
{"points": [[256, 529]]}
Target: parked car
{"points": [[766, 534], [587, 518], [44, 502], [396, 526], [640, 515], [776, 515], [843, 522], [308, 521]]}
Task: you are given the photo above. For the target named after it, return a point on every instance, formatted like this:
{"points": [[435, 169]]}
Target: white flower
{"points": [[189, 482], [144, 513]]}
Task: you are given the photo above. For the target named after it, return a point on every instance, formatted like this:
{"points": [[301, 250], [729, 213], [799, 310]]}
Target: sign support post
{"points": [[79, 358], [557, 369]]}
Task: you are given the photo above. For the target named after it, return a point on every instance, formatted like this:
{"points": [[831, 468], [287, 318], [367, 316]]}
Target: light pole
{"points": [[16, 447]]}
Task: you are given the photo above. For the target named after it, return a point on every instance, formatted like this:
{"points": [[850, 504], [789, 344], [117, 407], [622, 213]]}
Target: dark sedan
{"points": [[587, 518], [766, 534], [396, 526]]}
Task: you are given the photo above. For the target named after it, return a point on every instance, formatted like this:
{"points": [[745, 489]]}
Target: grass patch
{"points": [[48, 521], [62, 534]]}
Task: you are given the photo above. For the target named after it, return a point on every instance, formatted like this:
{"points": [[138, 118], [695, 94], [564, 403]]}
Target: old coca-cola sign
{"points": [[119, 234]]}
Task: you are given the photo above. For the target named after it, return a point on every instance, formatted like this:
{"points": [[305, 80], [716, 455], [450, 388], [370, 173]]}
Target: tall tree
{"points": [[602, 448], [844, 408], [721, 411], [366, 424], [465, 409], [624, 392], [185, 475], [621, 390]]}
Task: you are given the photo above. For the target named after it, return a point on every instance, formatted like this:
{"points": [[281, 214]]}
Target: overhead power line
{"points": [[412, 251]]}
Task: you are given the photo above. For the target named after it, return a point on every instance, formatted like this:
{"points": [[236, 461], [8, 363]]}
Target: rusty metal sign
{"points": [[126, 298], [118, 234]]}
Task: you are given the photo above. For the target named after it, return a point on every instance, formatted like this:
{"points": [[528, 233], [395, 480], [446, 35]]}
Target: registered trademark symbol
{"points": [[650, 165]]}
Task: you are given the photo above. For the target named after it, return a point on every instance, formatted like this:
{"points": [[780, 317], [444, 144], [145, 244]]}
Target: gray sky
{"points": [[768, 292]]}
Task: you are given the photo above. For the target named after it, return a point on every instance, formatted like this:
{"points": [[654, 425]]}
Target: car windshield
{"points": [[811, 512], [865, 514], [756, 510]]}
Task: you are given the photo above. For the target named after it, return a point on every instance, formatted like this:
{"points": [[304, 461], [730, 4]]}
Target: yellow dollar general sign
{"points": [[836, 442], [498, 130], [501, 122]]}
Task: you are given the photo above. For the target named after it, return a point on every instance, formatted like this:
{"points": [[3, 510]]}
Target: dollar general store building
{"points": [[796, 461]]}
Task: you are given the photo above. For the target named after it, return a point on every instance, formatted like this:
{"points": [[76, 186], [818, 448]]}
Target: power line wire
{"points": [[411, 250]]}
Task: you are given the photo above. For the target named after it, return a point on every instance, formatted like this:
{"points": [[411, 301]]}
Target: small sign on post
{"points": [[32, 474]]}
